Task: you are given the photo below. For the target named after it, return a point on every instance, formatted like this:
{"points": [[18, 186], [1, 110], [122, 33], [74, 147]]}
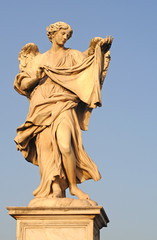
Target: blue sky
{"points": [[122, 135]]}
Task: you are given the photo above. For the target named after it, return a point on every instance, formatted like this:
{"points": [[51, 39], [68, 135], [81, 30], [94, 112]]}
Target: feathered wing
{"points": [[107, 59], [26, 56]]}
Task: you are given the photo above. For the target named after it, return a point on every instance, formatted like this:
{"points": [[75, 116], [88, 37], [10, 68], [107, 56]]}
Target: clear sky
{"points": [[122, 135]]}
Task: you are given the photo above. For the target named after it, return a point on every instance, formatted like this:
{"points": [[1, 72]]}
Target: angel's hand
{"points": [[105, 44], [93, 44], [40, 73], [94, 41]]}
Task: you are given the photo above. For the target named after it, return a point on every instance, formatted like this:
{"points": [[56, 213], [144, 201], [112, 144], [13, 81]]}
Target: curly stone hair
{"points": [[53, 28]]}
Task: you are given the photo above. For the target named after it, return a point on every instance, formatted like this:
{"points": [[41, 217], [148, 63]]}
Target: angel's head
{"points": [[60, 32]]}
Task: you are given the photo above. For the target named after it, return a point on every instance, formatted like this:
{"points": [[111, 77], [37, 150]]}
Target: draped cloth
{"points": [[69, 91]]}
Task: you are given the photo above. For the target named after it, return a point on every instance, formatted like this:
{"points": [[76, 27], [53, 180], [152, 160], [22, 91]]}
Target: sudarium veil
{"points": [[68, 88]]}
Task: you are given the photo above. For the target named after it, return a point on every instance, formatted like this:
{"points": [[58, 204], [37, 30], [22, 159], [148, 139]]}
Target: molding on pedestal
{"points": [[57, 223]]}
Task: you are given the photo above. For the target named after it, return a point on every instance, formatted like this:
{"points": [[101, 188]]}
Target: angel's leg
{"points": [[69, 159], [45, 161]]}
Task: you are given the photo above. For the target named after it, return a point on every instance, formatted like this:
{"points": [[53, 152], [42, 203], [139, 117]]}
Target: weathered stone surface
{"points": [[63, 86], [61, 202], [70, 223]]}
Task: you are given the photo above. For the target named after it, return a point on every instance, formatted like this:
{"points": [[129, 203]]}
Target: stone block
{"points": [[63, 223]]}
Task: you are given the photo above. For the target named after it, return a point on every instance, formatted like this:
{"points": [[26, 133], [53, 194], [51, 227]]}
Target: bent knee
{"points": [[64, 138], [65, 148]]}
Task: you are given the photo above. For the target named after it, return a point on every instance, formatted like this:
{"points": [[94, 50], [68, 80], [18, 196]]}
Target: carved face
{"points": [[61, 37]]}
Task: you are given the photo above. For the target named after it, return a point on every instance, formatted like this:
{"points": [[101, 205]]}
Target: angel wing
{"points": [[107, 59], [26, 55]]}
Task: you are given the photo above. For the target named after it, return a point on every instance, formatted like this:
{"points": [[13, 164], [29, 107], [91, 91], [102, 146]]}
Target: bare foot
{"points": [[74, 190]]}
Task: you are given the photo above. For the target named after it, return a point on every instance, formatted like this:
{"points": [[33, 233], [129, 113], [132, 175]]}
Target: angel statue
{"points": [[63, 85]]}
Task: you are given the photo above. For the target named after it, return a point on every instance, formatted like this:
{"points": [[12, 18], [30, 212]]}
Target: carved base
{"points": [[59, 223], [61, 202]]}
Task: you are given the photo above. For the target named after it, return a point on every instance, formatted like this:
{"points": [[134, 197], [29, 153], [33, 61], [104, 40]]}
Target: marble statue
{"points": [[63, 86]]}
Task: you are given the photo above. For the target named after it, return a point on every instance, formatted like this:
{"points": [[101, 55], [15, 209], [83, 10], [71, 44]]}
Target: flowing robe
{"points": [[69, 90]]}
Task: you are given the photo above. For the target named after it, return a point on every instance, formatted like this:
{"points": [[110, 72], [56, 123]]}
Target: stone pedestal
{"points": [[59, 223]]}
